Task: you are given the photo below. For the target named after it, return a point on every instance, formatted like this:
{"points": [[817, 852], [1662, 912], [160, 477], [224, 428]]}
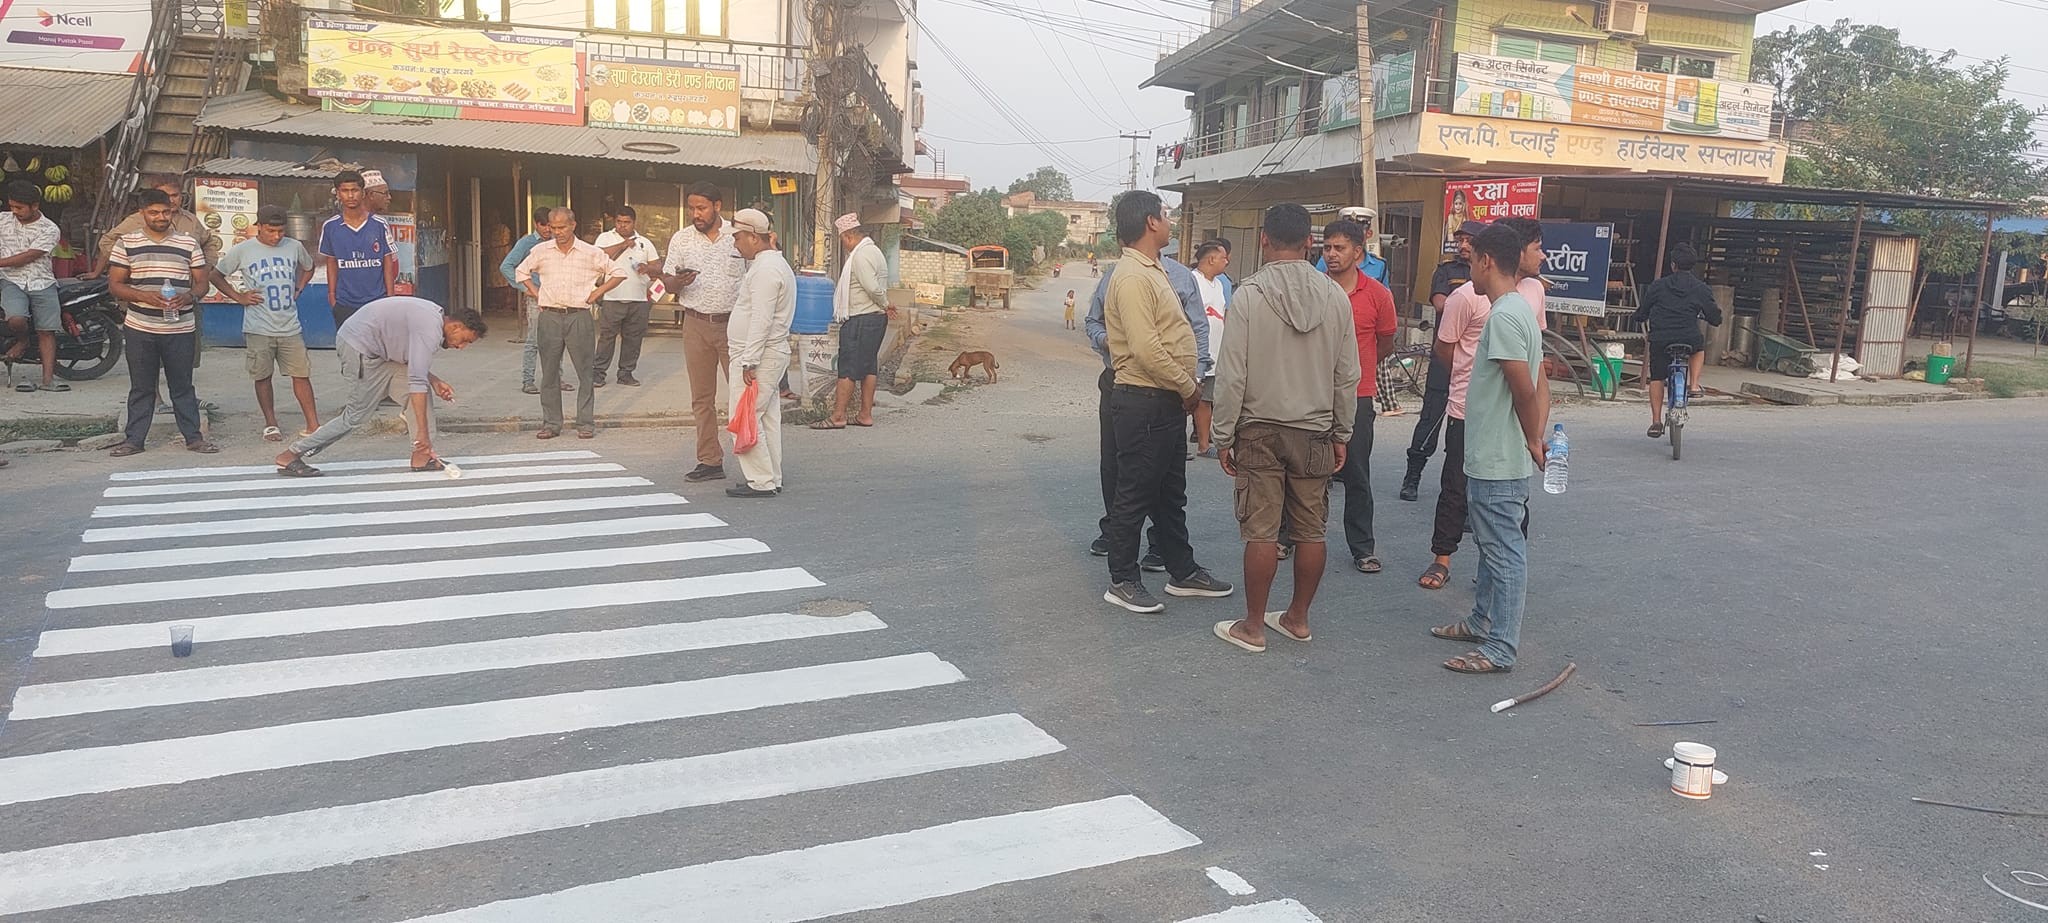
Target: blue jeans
{"points": [[1497, 510]]}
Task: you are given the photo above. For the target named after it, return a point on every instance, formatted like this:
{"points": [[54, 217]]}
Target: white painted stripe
{"points": [[225, 471], [316, 619], [352, 521], [270, 677], [1281, 911], [855, 875], [298, 581], [275, 483], [410, 541], [1231, 882], [423, 494], [175, 860], [182, 759]]}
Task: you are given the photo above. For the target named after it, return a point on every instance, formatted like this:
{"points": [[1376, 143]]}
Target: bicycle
{"points": [[1675, 389]]}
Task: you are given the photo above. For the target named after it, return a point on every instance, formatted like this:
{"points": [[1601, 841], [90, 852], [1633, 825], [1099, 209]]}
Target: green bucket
{"points": [[1939, 368], [1606, 372]]}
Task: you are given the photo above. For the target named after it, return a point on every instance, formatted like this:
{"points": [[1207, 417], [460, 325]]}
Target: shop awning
{"points": [[1554, 26], [259, 113], [63, 109], [269, 169], [1691, 41]]}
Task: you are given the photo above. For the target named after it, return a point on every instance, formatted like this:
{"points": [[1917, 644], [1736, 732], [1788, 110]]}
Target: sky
{"points": [[1035, 82]]}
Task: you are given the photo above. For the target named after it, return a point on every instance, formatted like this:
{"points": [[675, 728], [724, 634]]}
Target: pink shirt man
{"points": [[1465, 313]]}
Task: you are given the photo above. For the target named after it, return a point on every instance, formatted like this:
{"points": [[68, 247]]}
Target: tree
{"points": [[1048, 183], [1046, 229], [970, 220], [1816, 69]]}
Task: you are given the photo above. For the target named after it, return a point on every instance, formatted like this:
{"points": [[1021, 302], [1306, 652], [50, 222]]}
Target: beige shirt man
{"points": [[568, 278], [1151, 343]]}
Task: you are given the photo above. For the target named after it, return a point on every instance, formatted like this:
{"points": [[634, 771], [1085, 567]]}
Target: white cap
{"points": [[374, 178], [1357, 213], [847, 222], [751, 219]]}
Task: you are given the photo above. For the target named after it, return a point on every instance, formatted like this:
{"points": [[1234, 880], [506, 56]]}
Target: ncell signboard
{"points": [[103, 36]]}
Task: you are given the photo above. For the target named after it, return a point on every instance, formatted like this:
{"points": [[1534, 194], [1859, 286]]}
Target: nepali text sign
{"points": [[1340, 106], [656, 95], [1393, 85], [1576, 257], [491, 75], [1581, 94], [103, 36], [1489, 200], [1510, 142]]}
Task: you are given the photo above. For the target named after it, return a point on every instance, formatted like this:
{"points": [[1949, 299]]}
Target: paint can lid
{"points": [[1694, 753]]}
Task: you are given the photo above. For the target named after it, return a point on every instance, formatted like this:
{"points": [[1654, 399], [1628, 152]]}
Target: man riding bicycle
{"points": [[1671, 312]]}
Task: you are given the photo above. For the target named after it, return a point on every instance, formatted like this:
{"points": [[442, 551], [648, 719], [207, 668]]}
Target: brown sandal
{"points": [[1456, 631], [1434, 577], [1474, 662]]}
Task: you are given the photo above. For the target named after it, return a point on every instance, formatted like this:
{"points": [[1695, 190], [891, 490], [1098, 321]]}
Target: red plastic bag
{"points": [[744, 429]]}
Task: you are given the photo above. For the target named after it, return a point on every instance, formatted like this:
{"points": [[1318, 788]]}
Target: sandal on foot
{"points": [[1656, 432], [125, 449], [299, 469], [1369, 565], [202, 447], [273, 434], [1223, 631], [547, 434], [1273, 622], [53, 386], [1456, 631], [1286, 551], [433, 464], [1474, 662], [1434, 577], [26, 387], [827, 424]]}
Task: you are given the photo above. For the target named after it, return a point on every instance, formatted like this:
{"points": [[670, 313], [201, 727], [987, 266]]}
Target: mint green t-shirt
{"points": [[1495, 449]]}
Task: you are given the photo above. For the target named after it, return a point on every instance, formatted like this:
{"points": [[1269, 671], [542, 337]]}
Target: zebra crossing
{"points": [[382, 592]]}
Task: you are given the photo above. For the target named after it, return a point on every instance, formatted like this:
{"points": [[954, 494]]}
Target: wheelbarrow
{"points": [[1784, 355]]}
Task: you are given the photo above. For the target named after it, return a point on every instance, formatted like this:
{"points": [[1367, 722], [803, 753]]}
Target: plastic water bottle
{"points": [[168, 292], [1557, 469]]}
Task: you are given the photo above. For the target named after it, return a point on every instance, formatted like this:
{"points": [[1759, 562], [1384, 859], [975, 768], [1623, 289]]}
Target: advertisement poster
{"points": [[653, 95], [1340, 102], [1575, 263], [228, 208], [1393, 85], [405, 245], [490, 75], [1488, 200], [1581, 94], [100, 36]]}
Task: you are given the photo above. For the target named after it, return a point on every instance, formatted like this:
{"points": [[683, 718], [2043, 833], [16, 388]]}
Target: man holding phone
{"points": [[703, 269]]}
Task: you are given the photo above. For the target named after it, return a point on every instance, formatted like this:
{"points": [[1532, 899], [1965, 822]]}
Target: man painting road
{"points": [[1286, 394], [759, 345], [567, 277], [387, 349], [703, 268], [356, 248]]}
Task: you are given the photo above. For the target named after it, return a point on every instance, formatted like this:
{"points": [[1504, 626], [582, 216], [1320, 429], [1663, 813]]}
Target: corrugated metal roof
{"points": [[257, 112], [250, 166], [60, 108]]}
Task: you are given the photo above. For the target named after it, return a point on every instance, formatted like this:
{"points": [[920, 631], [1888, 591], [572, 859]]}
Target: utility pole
{"points": [[1131, 183], [826, 78], [1368, 171]]}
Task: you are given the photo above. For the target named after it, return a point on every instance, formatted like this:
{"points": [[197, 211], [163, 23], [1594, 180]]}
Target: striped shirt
{"points": [[176, 259]]}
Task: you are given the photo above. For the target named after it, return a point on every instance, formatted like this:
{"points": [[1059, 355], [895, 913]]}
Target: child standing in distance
{"points": [[1070, 309]]}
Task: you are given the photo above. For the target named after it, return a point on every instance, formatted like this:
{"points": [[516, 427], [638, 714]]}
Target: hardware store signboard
{"points": [[1581, 94], [493, 75], [656, 95]]}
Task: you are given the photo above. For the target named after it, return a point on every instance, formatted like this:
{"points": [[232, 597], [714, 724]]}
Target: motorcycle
{"points": [[89, 340]]}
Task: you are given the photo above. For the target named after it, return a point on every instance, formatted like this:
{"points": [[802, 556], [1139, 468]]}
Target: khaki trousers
{"points": [[705, 358]]}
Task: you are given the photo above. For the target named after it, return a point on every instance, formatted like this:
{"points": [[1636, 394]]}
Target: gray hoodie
{"points": [[1289, 355]]}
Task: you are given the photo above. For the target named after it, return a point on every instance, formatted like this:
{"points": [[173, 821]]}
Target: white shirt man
{"points": [[758, 341], [703, 268], [622, 316]]}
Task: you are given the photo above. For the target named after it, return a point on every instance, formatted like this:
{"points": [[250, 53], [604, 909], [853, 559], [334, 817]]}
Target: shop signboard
{"points": [[1505, 141], [1489, 200], [1340, 102], [1393, 85], [1581, 94], [497, 76], [1576, 256], [101, 36], [405, 248], [656, 95]]}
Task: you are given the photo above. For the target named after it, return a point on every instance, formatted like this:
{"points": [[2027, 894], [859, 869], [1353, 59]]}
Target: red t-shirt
{"points": [[1372, 317]]}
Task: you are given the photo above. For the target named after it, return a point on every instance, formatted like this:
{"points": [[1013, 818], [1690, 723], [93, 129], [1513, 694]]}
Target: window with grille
{"points": [[1660, 63], [1538, 49], [673, 17]]}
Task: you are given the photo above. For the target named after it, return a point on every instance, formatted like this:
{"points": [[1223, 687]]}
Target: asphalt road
{"points": [[1850, 594]]}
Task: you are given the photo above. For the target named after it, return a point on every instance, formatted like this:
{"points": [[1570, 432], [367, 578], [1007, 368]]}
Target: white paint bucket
{"points": [[1692, 770]]}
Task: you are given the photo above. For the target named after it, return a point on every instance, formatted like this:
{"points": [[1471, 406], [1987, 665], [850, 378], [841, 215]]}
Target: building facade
{"points": [[1086, 221], [1461, 90]]}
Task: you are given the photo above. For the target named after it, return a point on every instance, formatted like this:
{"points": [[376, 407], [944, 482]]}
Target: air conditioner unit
{"points": [[1626, 17]]}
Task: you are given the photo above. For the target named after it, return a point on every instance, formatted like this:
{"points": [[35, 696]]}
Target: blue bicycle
{"points": [[1675, 393]]}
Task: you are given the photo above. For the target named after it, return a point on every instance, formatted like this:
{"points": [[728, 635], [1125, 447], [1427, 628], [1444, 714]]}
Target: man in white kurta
{"points": [[757, 340]]}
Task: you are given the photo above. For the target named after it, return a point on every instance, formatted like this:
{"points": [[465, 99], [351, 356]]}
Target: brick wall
{"points": [[935, 268]]}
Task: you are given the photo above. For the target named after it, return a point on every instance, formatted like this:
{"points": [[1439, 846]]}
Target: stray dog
{"points": [[964, 366]]}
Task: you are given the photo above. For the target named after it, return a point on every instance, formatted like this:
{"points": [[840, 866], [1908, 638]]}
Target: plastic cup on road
{"points": [[181, 640]]}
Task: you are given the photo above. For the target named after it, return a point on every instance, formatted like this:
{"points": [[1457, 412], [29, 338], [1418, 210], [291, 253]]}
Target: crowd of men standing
{"points": [[1278, 373]]}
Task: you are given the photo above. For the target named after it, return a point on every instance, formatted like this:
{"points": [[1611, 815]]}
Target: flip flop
{"points": [[1273, 622], [1438, 571], [273, 434], [859, 423], [299, 469], [26, 387], [54, 386], [1223, 631], [827, 424]]}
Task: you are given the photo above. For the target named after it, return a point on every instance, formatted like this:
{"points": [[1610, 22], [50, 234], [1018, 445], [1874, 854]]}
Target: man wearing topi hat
{"points": [[861, 305], [757, 340]]}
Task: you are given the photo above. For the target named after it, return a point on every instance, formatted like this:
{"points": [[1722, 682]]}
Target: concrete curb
{"points": [[1802, 397]]}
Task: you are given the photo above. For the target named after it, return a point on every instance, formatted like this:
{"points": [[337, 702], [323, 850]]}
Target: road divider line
{"points": [[275, 483], [856, 875], [280, 623], [175, 860], [92, 770], [1281, 911], [224, 471], [350, 522], [410, 541], [299, 581], [272, 677], [421, 494]]}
